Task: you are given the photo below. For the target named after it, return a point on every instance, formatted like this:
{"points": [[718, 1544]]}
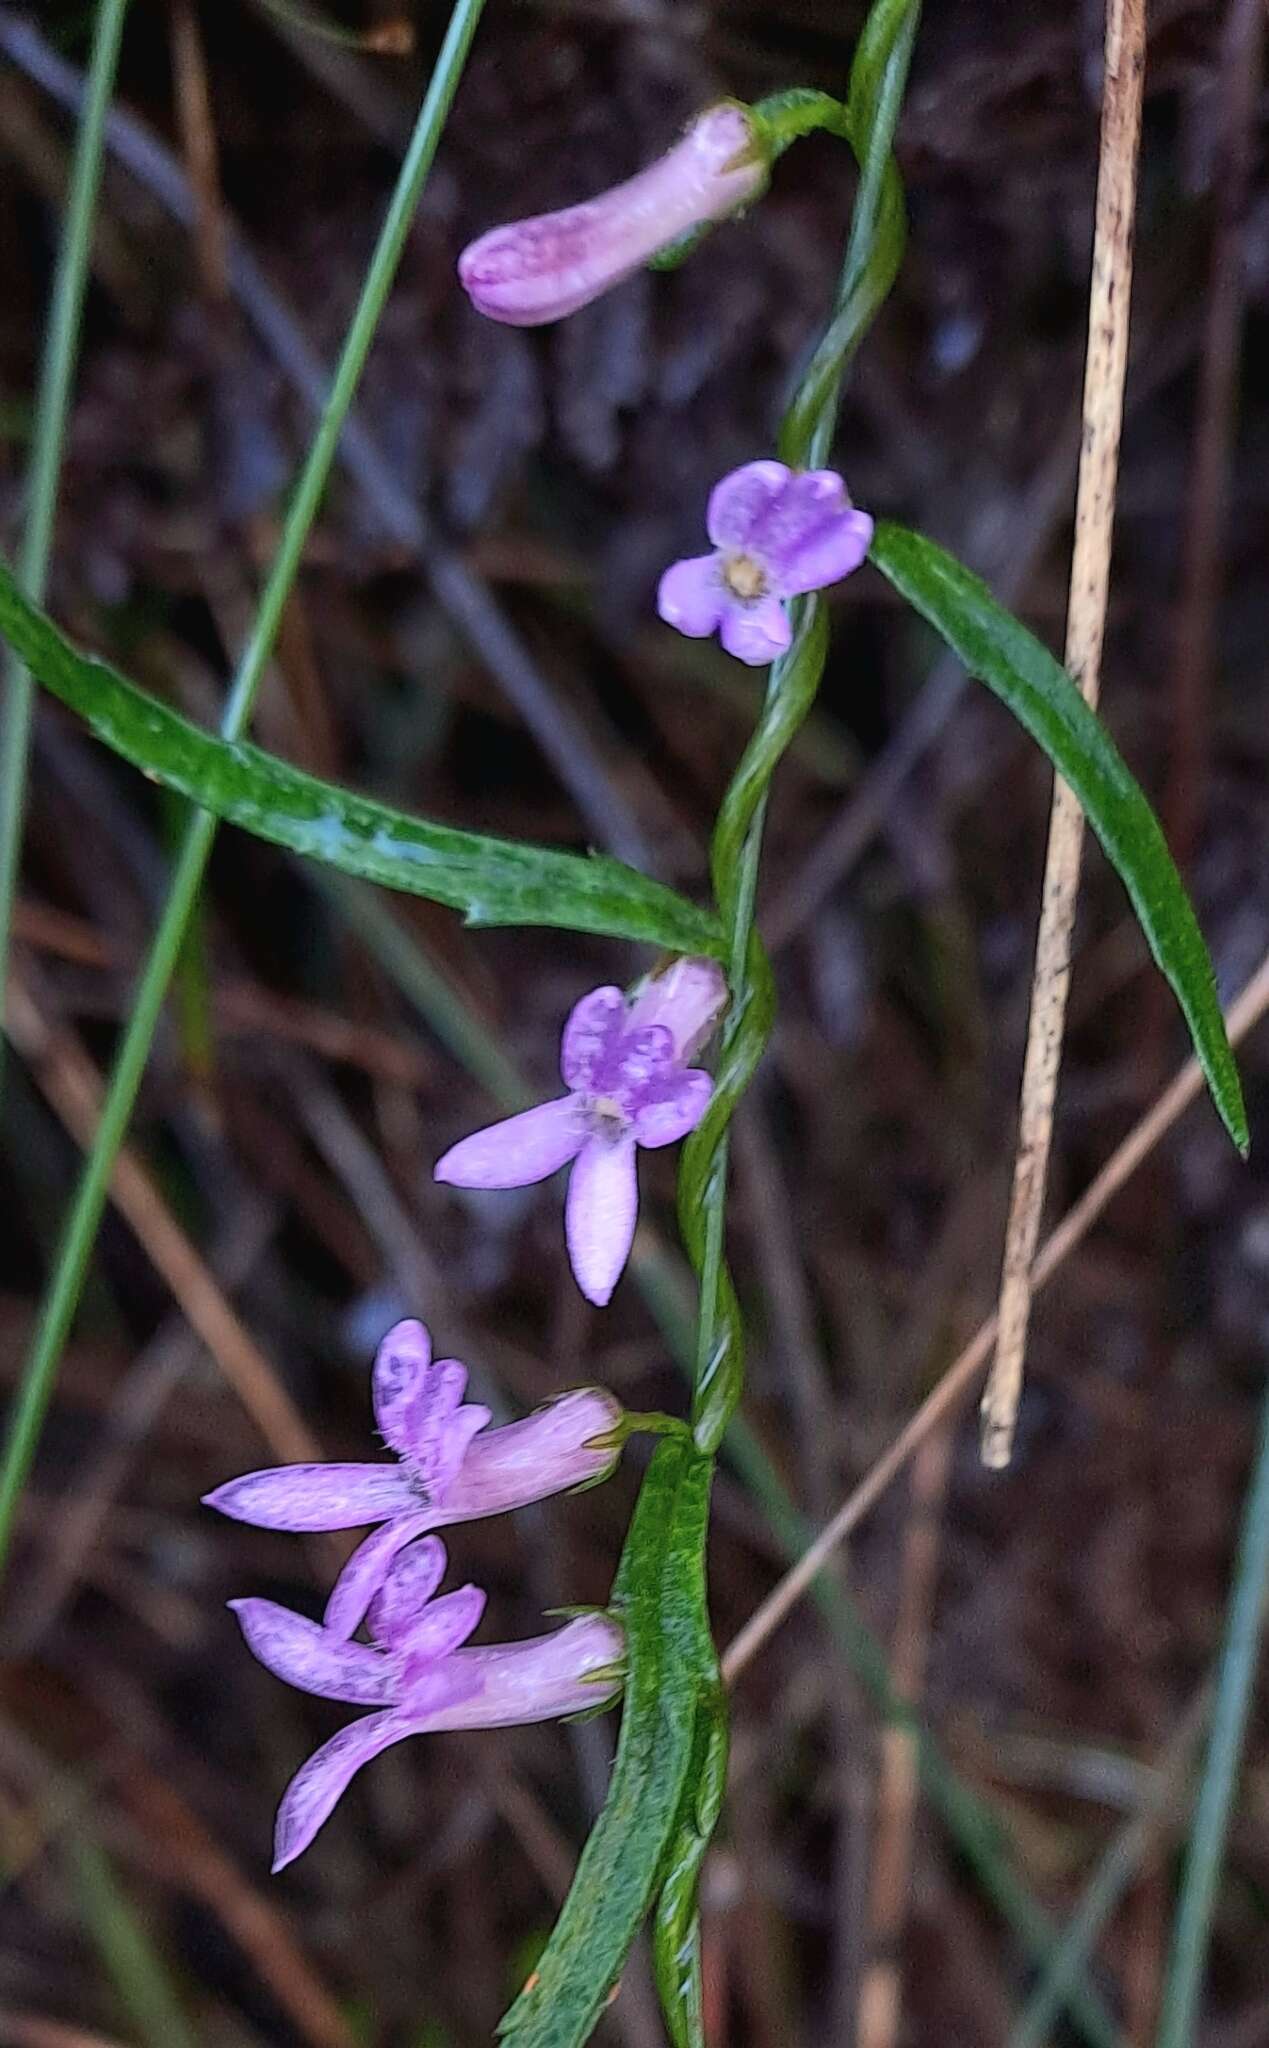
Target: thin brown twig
{"points": [[1105, 368], [70, 1082], [1241, 1017]]}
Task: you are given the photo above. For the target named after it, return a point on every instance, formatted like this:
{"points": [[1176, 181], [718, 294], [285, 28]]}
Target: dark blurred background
{"points": [[1056, 1623]]}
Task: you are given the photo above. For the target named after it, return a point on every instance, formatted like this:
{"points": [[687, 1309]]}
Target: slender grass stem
{"points": [[52, 406], [63, 1292], [1239, 1658]]}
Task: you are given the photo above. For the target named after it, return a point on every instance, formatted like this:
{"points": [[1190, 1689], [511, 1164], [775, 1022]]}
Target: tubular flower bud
{"points": [[533, 271]]}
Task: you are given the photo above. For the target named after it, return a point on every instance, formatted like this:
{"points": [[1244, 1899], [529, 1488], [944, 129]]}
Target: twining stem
{"points": [[62, 1295], [52, 405]]}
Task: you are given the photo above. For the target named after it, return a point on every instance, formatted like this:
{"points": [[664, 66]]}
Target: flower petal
{"points": [[669, 1110], [644, 1058], [821, 550], [303, 1497], [690, 596], [412, 1578], [756, 633], [303, 1654], [739, 501], [368, 1568], [688, 997], [600, 1212], [397, 1379], [592, 1027], [441, 1430], [315, 1790], [438, 1628], [514, 1154], [565, 1444]]}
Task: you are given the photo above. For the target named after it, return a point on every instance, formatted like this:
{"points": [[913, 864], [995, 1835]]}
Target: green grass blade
{"points": [[492, 881], [57, 375], [1234, 1686], [128, 1954], [997, 649], [62, 1295]]}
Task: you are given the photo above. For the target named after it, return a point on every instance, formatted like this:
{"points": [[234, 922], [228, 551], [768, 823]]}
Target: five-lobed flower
{"points": [[777, 533], [447, 1469], [418, 1674], [625, 1065]]}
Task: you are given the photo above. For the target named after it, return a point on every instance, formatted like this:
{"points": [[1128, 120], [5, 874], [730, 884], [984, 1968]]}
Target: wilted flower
{"points": [[777, 533], [532, 271], [417, 1673], [446, 1470], [625, 1066]]}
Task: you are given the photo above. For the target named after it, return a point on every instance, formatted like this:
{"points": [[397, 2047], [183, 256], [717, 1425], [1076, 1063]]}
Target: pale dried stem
{"points": [[890, 1888], [1247, 1011], [1105, 365]]}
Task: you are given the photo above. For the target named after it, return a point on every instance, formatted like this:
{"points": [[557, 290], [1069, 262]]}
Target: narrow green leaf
{"points": [[492, 881], [1000, 652], [676, 1927], [659, 1594]]}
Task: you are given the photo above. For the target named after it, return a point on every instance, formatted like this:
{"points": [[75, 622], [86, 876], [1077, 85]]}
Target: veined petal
{"points": [[690, 596], [600, 1212], [304, 1497], [437, 1629], [668, 1110], [368, 1568], [756, 633], [517, 1152], [303, 1654], [593, 1027], [441, 1428], [823, 554], [739, 502], [397, 1380], [412, 1578], [315, 1790]]}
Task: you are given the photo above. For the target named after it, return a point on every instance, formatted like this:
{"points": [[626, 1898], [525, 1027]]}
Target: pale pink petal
{"points": [[524, 1149], [600, 1213], [368, 1567], [440, 1430], [647, 1056], [756, 633], [301, 1653], [303, 1497], [690, 596], [551, 1451], [823, 555], [315, 1790], [593, 1026], [671, 1109], [688, 997], [397, 1380], [739, 502], [438, 1628], [412, 1578]]}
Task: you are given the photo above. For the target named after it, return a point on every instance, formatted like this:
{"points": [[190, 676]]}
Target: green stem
{"points": [[62, 1295], [52, 406], [1234, 1687]]}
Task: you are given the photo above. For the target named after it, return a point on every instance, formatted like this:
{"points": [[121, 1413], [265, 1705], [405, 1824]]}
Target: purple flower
{"points": [[777, 533], [416, 1672], [625, 1066], [536, 270], [446, 1471]]}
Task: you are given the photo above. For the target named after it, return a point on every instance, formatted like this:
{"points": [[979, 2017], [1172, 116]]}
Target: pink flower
{"points": [[446, 1470], [420, 1677], [777, 533], [625, 1066], [532, 271]]}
